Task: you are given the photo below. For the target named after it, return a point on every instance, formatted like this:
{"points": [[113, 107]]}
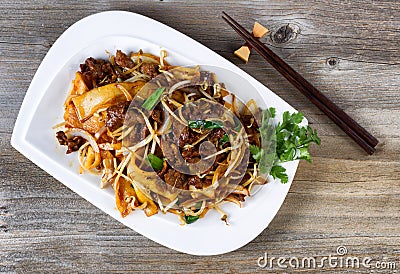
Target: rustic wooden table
{"points": [[348, 49]]}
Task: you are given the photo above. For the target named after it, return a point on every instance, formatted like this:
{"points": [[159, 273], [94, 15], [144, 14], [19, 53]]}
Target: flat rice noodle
{"points": [[150, 181], [207, 192], [219, 171], [151, 208], [108, 167], [123, 190], [153, 184], [91, 125], [103, 97], [147, 58], [79, 87], [250, 108]]}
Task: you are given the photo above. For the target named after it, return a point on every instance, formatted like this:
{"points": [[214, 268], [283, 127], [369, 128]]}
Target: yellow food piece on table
{"points": [[259, 30], [243, 53]]}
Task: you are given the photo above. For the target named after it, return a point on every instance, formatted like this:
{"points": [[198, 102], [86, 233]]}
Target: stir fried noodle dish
{"points": [[165, 138]]}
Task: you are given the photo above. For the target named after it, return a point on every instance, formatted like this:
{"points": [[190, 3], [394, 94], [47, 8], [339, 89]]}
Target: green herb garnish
{"points": [[224, 139], [256, 152], [191, 219], [150, 102], [292, 142], [278, 171], [155, 161], [203, 124], [268, 138]]}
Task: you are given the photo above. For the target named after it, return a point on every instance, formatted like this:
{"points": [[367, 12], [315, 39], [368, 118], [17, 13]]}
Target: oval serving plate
{"points": [[43, 108]]}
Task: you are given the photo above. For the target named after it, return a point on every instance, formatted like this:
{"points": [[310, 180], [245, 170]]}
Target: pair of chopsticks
{"points": [[360, 135]]}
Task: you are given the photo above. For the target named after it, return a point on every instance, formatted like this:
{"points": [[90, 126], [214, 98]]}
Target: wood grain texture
{"points": [[344, 198]]}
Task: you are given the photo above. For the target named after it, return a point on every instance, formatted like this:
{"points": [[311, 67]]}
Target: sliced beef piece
{"points": [[158, 151], [215, 135], [193, 112], [248, 120], [123, 60], [184, 137], [195, 181], [144, 131], [97, 72], [193, 160], [150, 69], [163, 170], [138, 133], [190, 153], [73, 143], [254, 136], [218, 159], [156, 114], [116, 115], [178, 96], [62, 138], [245, 177], [198, 182], [187, 136], [240, 197], [176, 179]]}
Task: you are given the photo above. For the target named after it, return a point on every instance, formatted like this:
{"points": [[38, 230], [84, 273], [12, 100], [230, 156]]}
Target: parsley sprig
{"points": [[292, 142]]}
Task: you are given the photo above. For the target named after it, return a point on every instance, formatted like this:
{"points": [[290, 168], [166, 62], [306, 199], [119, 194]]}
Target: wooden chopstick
{"points": [[360, 135]]}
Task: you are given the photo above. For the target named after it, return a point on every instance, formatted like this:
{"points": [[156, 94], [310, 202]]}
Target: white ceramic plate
{"points": [[43, 108]]}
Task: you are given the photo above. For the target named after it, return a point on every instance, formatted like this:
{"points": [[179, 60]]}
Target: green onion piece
{"points": [[202, 124], [224, 139], [153, 99], [292, 142], [155, 162], [191, 219]]}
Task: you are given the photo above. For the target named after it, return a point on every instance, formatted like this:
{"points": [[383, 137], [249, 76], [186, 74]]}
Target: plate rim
{"points": [[30, 102]]}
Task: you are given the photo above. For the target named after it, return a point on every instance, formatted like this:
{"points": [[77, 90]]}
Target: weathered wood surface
{"points": [[344, 198]]}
